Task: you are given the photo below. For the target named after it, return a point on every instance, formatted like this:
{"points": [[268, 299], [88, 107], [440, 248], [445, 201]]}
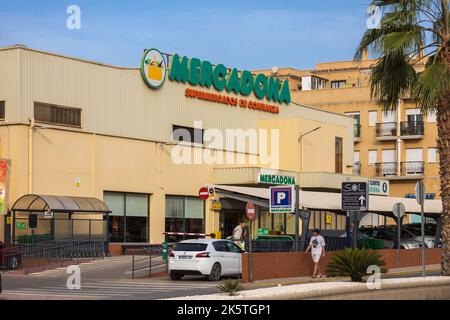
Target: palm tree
{"points": [[412, 43]]}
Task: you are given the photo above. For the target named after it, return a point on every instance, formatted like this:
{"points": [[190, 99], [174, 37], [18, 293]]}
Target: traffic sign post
{"points": [[355, 196], [399, 212], [355, 199], [420, 197], [251, 215]]}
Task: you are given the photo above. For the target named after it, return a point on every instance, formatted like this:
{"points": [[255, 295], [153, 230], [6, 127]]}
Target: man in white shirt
{"points": [[238, 233], [317, 247]]}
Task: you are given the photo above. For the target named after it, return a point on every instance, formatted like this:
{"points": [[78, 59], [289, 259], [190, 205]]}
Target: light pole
{"points": [[297, 189], [300, 140]]}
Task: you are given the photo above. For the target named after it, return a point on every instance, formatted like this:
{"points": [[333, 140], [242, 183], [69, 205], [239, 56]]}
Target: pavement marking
{"points": [[110, 289]]}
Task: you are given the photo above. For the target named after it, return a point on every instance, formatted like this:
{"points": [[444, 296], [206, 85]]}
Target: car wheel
{"points": [[14, 263], [175, 276], [216, 272]]}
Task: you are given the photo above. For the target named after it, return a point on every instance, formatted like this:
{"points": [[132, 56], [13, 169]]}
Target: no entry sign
{"points": [[250, 211], [203, 193]]}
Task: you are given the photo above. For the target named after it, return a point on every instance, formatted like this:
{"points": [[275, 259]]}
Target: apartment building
{"points": [[399, 145]]}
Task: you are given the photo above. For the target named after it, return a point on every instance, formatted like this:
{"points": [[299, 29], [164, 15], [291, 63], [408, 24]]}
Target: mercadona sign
{"points": [[204, 74]]}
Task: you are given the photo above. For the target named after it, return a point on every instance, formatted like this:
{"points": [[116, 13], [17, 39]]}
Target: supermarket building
{"points": [[77, 128]]}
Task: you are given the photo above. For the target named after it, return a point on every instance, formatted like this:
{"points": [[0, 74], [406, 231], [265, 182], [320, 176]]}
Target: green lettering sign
{"points": [[179, 70], [276, 179]]}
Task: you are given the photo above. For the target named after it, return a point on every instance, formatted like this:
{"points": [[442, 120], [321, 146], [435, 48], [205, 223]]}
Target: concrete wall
{"points": [[299, 264]]}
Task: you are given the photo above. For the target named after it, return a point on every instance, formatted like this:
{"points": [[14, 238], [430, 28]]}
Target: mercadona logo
{"points": [[153, 68]]}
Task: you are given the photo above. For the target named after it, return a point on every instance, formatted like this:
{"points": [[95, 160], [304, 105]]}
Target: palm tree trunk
{"points": [[443, 123]]}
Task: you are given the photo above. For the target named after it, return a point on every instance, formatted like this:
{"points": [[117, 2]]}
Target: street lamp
{"points": [[300, 140]]}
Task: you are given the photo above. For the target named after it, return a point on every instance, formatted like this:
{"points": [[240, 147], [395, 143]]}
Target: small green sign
{"points": [[263, 232], [276, 179], [20, 225]]}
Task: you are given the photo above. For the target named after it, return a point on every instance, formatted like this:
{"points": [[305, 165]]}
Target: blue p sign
{"points": [[281, 199]]}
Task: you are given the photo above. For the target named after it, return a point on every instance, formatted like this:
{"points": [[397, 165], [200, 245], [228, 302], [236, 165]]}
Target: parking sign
{"points": [[281, 200]]}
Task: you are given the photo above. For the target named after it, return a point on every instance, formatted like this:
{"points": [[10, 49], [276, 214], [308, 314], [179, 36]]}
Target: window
{"points": [[432, 116], [186, 134], [128, 220], [57, 114], [338, 84], [184, 214], [432, 155], [190, 247], [373, 118], [356, 123], [2, 110], [338, 154], [373, 156]]}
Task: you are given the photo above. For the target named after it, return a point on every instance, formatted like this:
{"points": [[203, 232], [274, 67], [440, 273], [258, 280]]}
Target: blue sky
{"points": [[246, 34]]}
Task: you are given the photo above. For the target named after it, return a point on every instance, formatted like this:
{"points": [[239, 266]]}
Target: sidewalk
{"points": [[302, 280]]}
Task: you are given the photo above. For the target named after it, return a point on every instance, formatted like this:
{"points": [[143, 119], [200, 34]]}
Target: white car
{"points": [[212, 258]]}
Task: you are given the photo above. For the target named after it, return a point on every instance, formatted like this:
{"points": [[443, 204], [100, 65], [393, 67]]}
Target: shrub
{"points": [[353, 263], [230, 286]]}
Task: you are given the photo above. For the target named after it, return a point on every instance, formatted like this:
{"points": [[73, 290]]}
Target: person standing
{"points": [[239, 233], [317, 247]]}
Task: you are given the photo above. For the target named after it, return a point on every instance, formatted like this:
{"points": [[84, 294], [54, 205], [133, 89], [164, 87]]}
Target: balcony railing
{"points": [[412, 168], [386, 129], [408, 168], [385, 169], [356, 131], [412, 128], [357, 169]]}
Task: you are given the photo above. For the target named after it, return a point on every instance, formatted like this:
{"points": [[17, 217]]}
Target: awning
{"points": [[330, 201], [42, 203]]}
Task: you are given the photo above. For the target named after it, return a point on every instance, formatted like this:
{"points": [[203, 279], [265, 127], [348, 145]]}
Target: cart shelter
{"points": [[59, 217]]}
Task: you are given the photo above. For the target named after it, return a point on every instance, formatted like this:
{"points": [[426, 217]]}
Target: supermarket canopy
{"points": [[330, 201], [42, 203]]}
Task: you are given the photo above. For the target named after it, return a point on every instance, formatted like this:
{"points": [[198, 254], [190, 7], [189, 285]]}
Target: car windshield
{"points": [[190, 246]]}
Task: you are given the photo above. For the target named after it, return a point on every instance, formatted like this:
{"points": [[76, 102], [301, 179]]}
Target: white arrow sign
{"points": [[362, 200]]}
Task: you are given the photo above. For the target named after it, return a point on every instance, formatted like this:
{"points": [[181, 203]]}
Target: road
{"points": [[103, 280]]}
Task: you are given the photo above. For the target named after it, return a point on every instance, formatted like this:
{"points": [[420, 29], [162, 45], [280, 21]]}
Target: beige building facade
{"points": [[72, 127], [399, 146]]}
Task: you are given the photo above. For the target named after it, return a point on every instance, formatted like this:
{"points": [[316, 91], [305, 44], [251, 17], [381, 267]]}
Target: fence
{"points": [[288, 245], [144, 260], [42, 254]]}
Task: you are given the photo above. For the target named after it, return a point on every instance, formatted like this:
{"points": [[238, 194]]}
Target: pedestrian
{"points": [[239, 233], [317, 247]]}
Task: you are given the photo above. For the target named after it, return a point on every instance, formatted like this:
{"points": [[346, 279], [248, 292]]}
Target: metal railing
{"points": [[385, 169], [386, 129], [144, 260], [49, 254], [332, 244], [412, 128], [412, 168]]}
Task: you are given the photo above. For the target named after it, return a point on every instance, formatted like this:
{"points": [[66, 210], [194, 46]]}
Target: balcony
{"points": [[356, 132], [412, 130], [386, 131], [386, 169], [408, 170], [357, 169], [413, 169]]}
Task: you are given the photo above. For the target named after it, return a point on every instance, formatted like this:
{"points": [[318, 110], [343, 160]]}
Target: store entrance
{"points": [[229, 219]]}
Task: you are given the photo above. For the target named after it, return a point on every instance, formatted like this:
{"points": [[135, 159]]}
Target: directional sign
{"points": [[398, 210], [281, 200], [355, 196], [378, 187]]}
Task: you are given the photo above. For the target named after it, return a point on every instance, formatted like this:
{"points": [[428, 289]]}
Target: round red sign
{"points": [[203, 193], [251, 211]]}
